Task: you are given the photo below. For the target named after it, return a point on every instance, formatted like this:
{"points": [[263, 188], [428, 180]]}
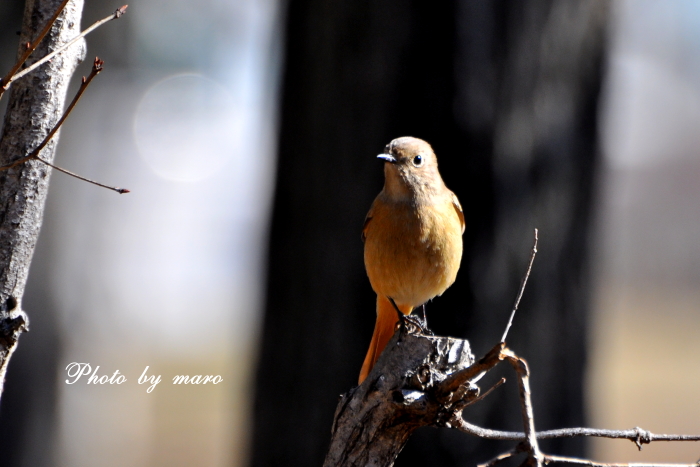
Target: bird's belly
{"points": [[413, 258]]}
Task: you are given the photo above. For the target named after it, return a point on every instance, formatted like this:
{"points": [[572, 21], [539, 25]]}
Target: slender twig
{"points": [[96, 68], [573, 460], [34, 155], [522, 289], [520, 367], [483, 396], [116, 15], [486, 433], [528, 439], [121, 191], [636, 435], [472, 373], [501, 457], [5, 82]]}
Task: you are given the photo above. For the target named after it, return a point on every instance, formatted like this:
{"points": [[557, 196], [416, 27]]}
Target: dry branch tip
{"points": [[523, 283], [14, 75], [97, 67], [120, 11]]}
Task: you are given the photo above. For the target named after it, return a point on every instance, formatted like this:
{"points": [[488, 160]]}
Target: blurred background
{"points": [[246, 131]]}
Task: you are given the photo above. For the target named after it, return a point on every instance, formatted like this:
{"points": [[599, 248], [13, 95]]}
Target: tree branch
{"points": [[96, 68], [637, 435], [573, 460], [7, 81], [34, 155], [402, 392], [421, 380], [535, 457], [523, 283]]}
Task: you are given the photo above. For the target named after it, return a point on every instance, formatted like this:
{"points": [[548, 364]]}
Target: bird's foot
{"points": [[422, 318], [420, 325]]}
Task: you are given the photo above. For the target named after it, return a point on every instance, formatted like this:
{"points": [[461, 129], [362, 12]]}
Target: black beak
{"points": [[387, 158]]}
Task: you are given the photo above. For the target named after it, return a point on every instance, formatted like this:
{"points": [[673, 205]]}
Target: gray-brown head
{"points": [[410, 169]]}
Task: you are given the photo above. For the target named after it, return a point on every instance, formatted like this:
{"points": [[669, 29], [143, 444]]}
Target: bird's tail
{"points": [[383, 331]]}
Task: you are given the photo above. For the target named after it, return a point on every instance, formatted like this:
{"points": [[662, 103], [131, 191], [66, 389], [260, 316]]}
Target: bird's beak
{"points": [[387, 158]]}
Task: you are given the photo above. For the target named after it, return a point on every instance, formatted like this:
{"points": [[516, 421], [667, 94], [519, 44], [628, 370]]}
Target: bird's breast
{"points": [[413, 251]]}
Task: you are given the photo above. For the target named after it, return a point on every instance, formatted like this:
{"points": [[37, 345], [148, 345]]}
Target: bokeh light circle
{"points": [[187, 128]]}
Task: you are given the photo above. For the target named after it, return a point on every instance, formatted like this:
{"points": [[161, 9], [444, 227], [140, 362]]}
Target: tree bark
{"points": [[404, 391], [35, 105]]}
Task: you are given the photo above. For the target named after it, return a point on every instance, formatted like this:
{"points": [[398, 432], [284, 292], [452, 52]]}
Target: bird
{"points": [[412, 238]]}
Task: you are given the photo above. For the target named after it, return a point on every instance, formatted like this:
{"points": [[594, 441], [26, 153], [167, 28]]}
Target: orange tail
{"points": [[383, 331]]}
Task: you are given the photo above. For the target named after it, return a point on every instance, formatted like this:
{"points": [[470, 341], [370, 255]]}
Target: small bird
{"points": [[412, 235]]}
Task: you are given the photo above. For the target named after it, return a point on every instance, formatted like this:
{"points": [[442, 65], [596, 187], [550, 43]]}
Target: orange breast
{"points": [[412, 253]]}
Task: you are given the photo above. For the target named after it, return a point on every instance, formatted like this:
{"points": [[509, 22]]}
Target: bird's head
{"points": [[410, 168]]}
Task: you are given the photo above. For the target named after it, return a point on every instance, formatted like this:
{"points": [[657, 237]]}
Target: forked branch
{"points": [[14, 75], [30, 48], [97, 67], [423, 380]]}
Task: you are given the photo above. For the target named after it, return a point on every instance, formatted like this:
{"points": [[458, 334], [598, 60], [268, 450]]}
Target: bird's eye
{"points": [[418, 160]]}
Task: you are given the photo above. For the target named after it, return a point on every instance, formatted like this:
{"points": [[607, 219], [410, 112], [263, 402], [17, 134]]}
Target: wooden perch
{"points": [[424, 380], [414, 383]]}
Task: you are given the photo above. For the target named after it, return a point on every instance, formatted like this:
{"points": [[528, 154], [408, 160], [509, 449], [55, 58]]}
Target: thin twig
{"points": [[472, 373], [5, 82], [96, 68], [501, 457], [636, 435], [121, 191], [34, 155], [522, 289], [483, 396], [528, 439], [573, 460], [520, 367], [116, 15]]}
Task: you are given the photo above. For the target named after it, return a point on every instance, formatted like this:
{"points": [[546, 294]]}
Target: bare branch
{"points": [[422, 380], [5, 82], [97, 67], [498, 384], [636, 435], [520, 367], [474, 372], [121, 191], [506, 455], [573, 460], [410, 383], [116, 15], [522, 289]]}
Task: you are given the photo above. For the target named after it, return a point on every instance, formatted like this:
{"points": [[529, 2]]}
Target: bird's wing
{"points": [[368, 218], [458, 208], [366, 224]]}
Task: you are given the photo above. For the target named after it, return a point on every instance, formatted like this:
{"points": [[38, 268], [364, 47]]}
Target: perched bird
{"points": [[412, 235]]}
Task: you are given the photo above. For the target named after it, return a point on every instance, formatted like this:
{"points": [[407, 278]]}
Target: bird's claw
{"points": [[420, 324]]}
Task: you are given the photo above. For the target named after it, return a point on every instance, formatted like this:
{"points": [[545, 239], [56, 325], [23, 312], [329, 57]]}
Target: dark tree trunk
{"points": [[506, 92]]}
